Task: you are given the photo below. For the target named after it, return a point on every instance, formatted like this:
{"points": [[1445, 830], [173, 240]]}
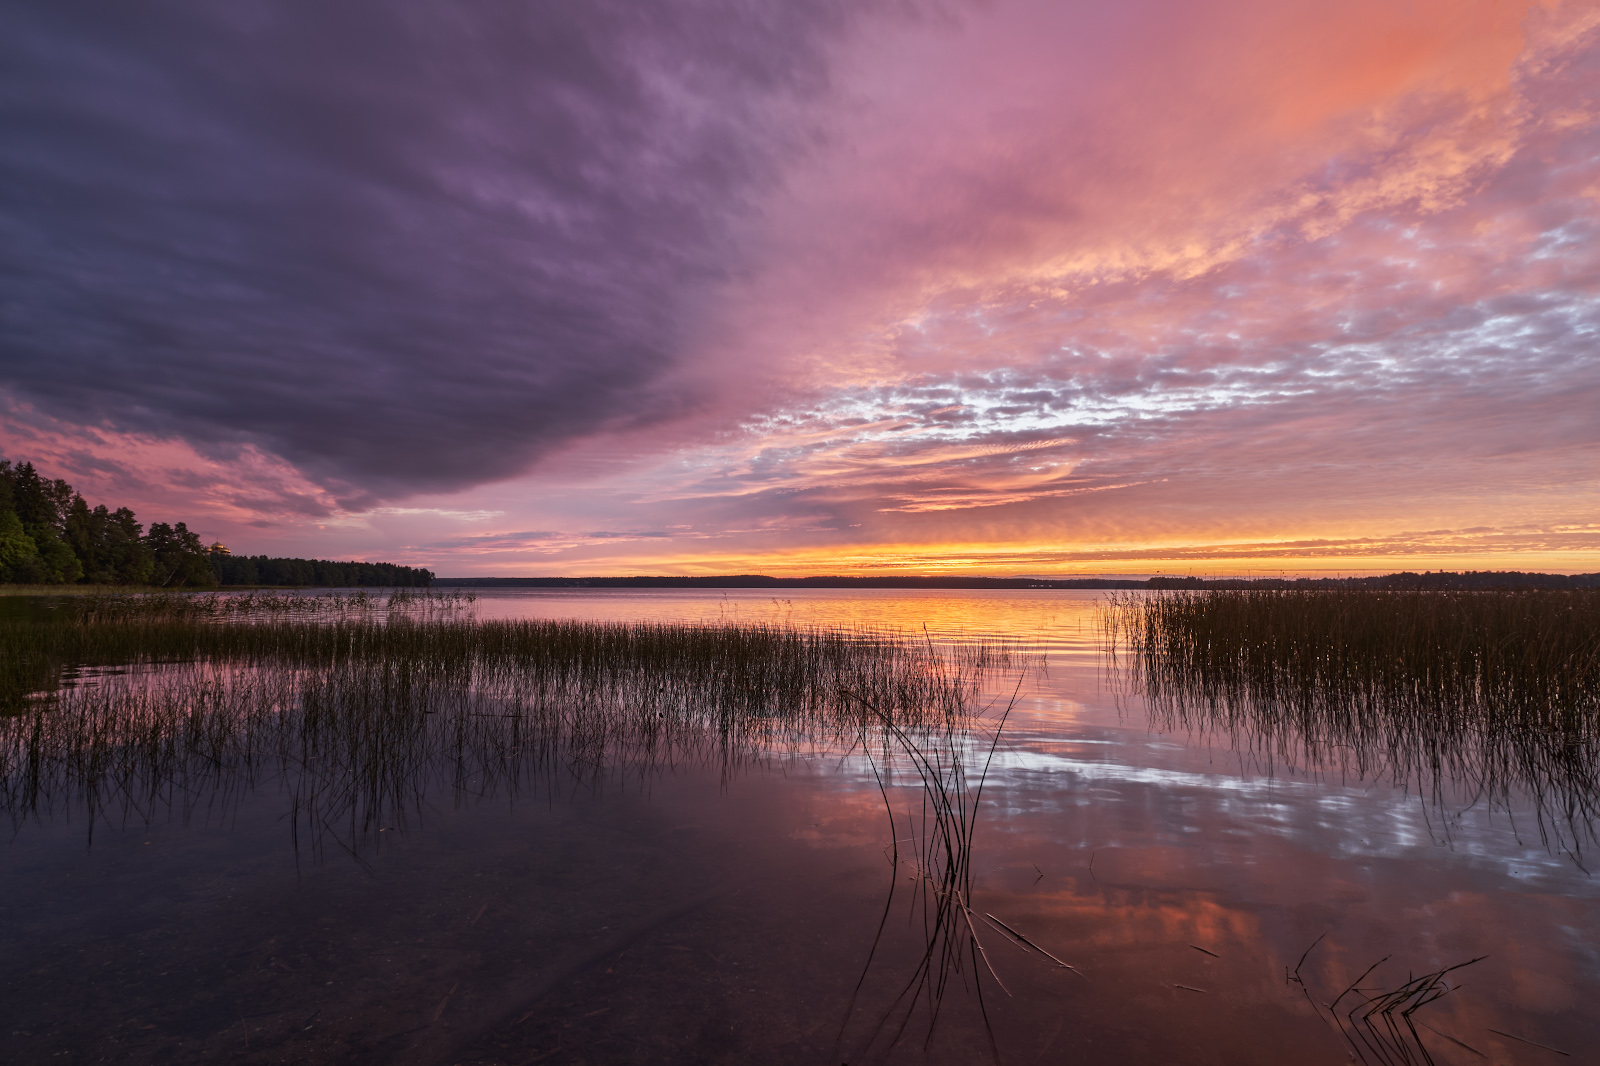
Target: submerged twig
{"points": [[1024, 940], [1525, 1040]]}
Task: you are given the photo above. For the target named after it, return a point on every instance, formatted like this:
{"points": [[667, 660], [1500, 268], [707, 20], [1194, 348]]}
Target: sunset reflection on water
{"points": [[723, 915], [1138, 847]]}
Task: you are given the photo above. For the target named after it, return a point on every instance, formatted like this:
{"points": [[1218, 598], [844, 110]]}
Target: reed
{"points": [[950, 766], [1378, 1022], [358, 709], [360, 714], [1496, 694]]}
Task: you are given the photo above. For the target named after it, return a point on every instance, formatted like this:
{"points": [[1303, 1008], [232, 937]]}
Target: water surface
{"points": [[707, 913]]}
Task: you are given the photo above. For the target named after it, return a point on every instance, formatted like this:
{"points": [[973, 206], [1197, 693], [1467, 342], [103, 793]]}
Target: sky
{"points": [[704, 286]]}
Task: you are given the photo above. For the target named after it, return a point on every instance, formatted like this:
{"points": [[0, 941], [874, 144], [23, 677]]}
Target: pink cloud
{"points": [[226, 490], [1087, 285]]}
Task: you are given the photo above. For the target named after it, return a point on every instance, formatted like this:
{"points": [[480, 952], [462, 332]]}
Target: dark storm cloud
{"points": [[405, 246]]}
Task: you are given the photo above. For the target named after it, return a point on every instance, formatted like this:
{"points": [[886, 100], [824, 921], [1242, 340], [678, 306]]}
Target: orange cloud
{"points": [[1054, 288]]}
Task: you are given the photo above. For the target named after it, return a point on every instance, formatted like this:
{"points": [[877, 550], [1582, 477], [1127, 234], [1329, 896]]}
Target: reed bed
{"points": [[41, 647], [360, 712], [1492, 694], [950, 767]]}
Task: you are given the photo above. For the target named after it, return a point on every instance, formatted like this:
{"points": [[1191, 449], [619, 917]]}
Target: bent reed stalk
{"points": [[940, 857], [1493, 693], [356, 712]]}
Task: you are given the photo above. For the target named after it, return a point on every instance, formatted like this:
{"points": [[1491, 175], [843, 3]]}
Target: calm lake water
{"points": [[754, 913]]}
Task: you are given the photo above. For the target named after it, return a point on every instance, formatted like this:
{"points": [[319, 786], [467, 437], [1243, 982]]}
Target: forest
{"points": [[49, 535], [260, 570]]}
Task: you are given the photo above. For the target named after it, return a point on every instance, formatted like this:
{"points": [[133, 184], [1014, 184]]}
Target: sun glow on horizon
{"points": [[1232, 286]]}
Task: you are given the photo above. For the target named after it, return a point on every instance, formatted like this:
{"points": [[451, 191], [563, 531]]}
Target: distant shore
{"points": [[1443, 580]]}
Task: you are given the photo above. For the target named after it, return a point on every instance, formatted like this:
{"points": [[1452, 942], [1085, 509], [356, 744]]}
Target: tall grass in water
{"points": [[951, 766], [1494, 692], [56, 637], [358, 713], [361, 715]]}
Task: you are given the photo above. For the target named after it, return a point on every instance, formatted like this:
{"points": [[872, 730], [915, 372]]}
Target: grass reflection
{"points": [[360, 711], [359, 715], [1468, 697]]}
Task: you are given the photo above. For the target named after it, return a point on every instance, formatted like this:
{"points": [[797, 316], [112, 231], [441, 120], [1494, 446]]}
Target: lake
{"points": [[1210, 893]]}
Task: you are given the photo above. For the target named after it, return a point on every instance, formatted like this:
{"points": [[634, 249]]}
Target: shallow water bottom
{"points": [[697, 915], [686, 918]]}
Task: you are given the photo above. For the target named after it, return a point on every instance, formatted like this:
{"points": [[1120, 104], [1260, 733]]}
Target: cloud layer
{"points": [[402, 246], [1008, 285]]}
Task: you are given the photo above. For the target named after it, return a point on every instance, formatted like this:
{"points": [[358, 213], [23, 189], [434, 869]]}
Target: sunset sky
{"points": [[1037, 288]]}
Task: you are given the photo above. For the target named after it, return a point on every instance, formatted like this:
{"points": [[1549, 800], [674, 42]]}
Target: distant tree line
{"points": [[1443, 580], [1405, 581], [49, 535], [260, 570]]}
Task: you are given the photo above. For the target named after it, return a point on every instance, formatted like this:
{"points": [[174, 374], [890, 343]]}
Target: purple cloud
{"points": [[404, 246]]}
